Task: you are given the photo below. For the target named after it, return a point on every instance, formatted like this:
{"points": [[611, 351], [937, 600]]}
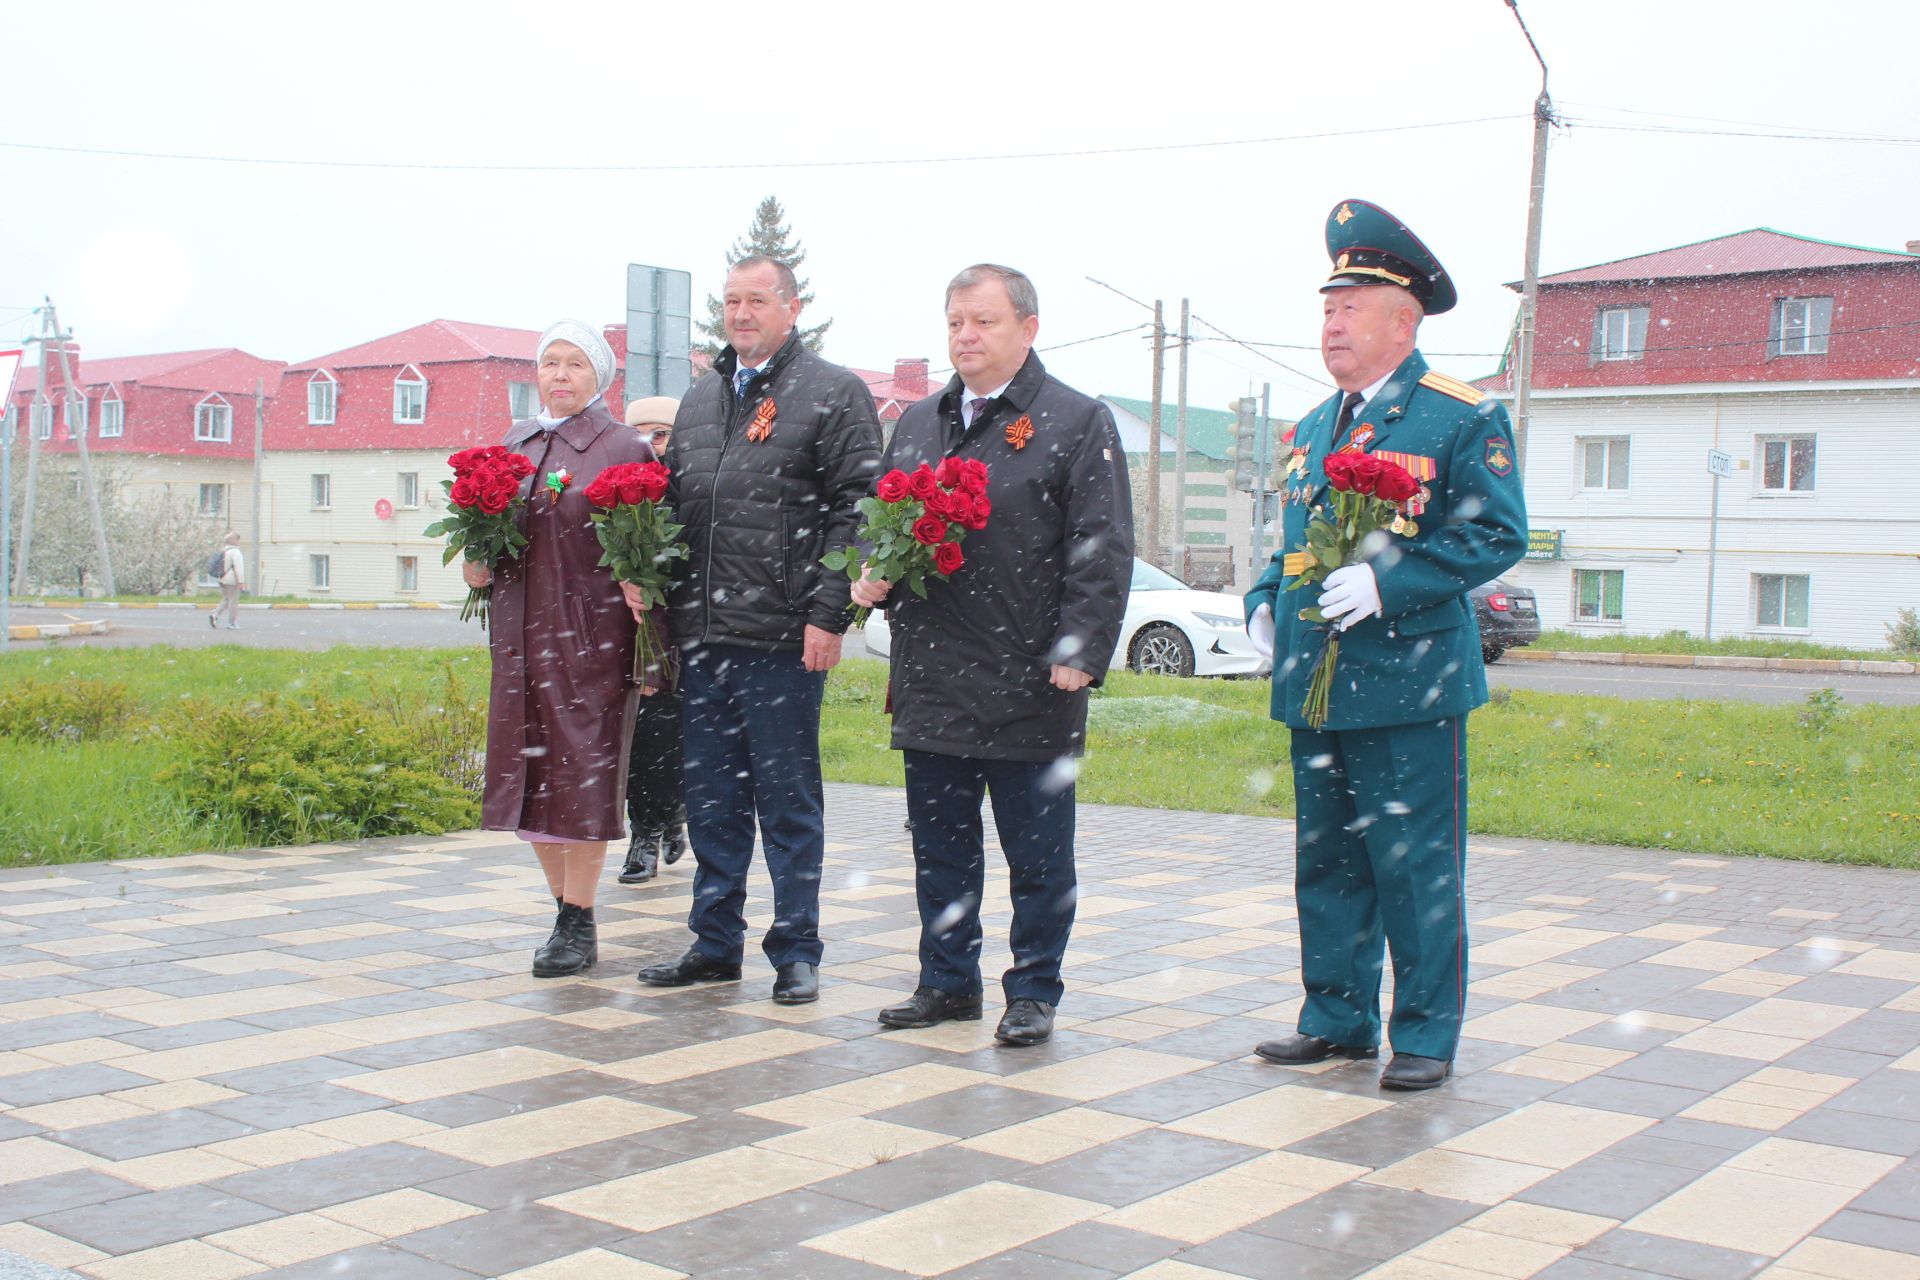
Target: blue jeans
{"points": [[751, 720], [1034, 817]]}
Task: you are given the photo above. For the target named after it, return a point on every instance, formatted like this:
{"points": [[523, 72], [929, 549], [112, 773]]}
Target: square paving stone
{"points": [[509, 1239], [1630, 1097], [1386, 1137], [1609, 1186], [1098, 1244], [1180, 1096], [511, 1184], [285, 1108], [1659, 1255], [57, 1084], [128, 1224], [1022, 1264], [760, 1230], [343, 1175], [39, 1197], [1708, 1072], [1135, 1167], [151, 1134], [1263, 1257], [1863, 1131], [923, 1176], [1897, 1195], [974, 1110], [375, 1262], [1365, 1220], [1875, 1230]]}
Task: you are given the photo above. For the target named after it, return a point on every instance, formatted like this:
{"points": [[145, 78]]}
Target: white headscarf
{"points": [[583, 336]]}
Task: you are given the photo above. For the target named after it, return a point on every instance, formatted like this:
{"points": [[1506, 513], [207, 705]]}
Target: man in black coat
{"points": [[990, 672], [770, 456]]}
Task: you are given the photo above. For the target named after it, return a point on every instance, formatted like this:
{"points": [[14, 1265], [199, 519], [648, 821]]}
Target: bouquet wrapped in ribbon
{"points": [[639, 541], [915, 524], [479, 522], [1367, 494]]}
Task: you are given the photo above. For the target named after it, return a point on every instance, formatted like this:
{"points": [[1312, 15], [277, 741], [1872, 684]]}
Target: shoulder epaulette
{"points": [[1465, 392]]}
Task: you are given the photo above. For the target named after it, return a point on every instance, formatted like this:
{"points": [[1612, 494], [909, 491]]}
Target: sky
{"points": [[502, 163]]}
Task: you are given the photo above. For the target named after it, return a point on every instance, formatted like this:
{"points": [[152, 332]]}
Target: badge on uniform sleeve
{"points": [[1499, 456]]}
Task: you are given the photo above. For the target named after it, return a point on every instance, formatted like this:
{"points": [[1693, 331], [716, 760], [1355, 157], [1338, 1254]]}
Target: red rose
{"points": [[653, 481], [973, 476], [1339, 469], [603, 492], [929, 530], [494, 452], [465, 493], [630, 487], [921, 483], [1366, 473], [948, 556], [947, 474], [893, 486], [982, 508], [1396, 483], [520, 464], [958, 508], [495, 501], [465, 460]]}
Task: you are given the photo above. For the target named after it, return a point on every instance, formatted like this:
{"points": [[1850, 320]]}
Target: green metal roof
{"points": [[1209, 431]]}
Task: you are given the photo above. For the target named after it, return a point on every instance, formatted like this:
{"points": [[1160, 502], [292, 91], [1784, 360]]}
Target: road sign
{"points": [[383, 509], [659, 331], [1719, 462]]}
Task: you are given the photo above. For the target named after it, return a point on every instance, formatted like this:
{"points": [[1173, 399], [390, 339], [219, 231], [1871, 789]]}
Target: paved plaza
{"points": [[331, 1061]]}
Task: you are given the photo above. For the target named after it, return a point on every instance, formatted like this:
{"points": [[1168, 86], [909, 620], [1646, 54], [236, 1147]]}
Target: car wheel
{"points": [[1491, 652], [1162, 650]]}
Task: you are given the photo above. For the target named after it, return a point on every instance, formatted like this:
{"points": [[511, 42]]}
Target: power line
{"points": [[1869, 139], [1298, 373], [1302, 346], [1748, 124], [303, 162], [1077, 342]]}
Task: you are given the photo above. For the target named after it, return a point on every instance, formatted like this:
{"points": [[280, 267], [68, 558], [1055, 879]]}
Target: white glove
{"points": [[1351, 595], [1260, 630]]}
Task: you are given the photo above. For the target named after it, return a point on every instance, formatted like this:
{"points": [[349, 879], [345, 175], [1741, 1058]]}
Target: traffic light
{"points": [[1244, 410]]}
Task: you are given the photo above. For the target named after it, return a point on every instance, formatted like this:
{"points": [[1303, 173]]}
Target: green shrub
{"points": [[449, 732], [293, 774], [1903, 633], [64, 710]]}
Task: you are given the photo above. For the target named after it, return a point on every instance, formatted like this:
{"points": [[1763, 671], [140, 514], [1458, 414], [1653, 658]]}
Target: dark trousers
{"points": [[656, 769], [751, 724], [1035, 820], [1381, 860]]}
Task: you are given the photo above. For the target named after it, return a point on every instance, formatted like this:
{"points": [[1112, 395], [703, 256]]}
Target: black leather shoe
{"points": [[796, 983], [1410, 1071], [688, 969], [1299, 1050], [1026, 1021], [674, 843], [574, 946], [643, 858], [929, 1006]]}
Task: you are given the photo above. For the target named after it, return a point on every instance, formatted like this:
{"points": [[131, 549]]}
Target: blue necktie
{"points": [[740, 380]]}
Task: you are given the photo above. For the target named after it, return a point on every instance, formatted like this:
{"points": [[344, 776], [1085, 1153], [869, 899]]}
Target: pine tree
{"points": [[768, 237]]}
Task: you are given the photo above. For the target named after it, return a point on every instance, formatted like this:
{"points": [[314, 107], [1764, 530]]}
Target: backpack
{"points": [[217, 564]]}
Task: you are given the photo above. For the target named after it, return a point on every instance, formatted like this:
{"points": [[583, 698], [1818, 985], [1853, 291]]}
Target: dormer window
{"points": [[76, 414], [1620, 333], [410, 396], [1800, 327], [323, 395], [113, 413], [213, 420]]}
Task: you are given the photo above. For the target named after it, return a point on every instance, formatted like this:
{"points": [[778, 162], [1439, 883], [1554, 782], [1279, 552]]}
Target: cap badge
{"points": [[1345, 215], [1340, 263]]}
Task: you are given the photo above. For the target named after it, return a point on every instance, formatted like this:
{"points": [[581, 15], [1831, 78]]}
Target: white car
{"points": [[1170, 629]]}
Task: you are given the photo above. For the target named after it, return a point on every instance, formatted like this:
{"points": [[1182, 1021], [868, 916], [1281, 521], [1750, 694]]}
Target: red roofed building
{"points": [[1794, 365], [179, 422]]}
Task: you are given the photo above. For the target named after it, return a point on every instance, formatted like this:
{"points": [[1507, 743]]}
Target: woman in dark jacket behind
{"points": [[563, 693]]}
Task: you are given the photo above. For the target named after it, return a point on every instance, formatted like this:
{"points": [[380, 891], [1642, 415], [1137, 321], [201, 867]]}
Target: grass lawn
{"points": [[1681, 642], [1704, 777]]}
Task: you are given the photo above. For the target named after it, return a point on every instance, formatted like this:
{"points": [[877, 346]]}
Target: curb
{"points": [[196, 604], [1839, 666], [58, 630]]}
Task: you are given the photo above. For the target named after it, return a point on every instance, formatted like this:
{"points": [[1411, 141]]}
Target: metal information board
{"points": [[659, 331]]}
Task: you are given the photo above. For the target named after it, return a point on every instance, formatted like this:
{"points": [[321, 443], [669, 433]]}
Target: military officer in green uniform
{"points": [[1381, 787]]}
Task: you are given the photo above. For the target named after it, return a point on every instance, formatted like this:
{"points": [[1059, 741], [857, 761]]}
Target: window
{"points": [[322, 572], [322, 395], [1780, 600], [1620, 333], [322, 492], [213, 420], [410, 396], [521, 402], [113, 414], [43, 419], [76, 414], [213, 499], [1800, 327], [410, 489], [1603, 463], [1599, 595], [1786, 464], [409, 575]]}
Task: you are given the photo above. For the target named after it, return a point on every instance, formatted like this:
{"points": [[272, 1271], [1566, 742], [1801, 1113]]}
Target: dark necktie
{"points": [[1348, 407], [740, 380], [979, 406]]}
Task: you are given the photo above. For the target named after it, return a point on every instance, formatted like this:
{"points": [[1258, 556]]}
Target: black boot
{"points": [[643, 857], [673, 842], [574, 946]]}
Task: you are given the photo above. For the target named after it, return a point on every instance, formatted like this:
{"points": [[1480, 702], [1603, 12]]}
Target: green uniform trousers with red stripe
{"points": [[1381, 846]]}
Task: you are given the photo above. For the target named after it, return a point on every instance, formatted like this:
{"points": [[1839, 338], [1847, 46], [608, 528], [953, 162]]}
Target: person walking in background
{"points": [[772, 452], [656, 777], [233, 580], [562, 640], [990, 672], [1380, 788]]}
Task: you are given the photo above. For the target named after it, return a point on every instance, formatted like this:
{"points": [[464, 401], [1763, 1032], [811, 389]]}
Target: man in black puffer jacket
{"points": [[771, 454]]}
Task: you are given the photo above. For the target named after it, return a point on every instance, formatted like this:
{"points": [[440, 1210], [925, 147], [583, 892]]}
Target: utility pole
{"points": [[1180, 450], [259, 450], [1262, 462], [100, 547], [24, 550], [1543, 119], [9, 366], [1153, 439]]}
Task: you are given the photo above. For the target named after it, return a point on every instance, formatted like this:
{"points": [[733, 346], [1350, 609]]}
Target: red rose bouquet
{"points": [[639, 541], [915, 523], [1368, 495], [480, 500]]}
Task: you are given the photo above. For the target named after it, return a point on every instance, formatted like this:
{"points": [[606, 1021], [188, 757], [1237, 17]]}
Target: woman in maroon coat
{"points": [[563, 695]]}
